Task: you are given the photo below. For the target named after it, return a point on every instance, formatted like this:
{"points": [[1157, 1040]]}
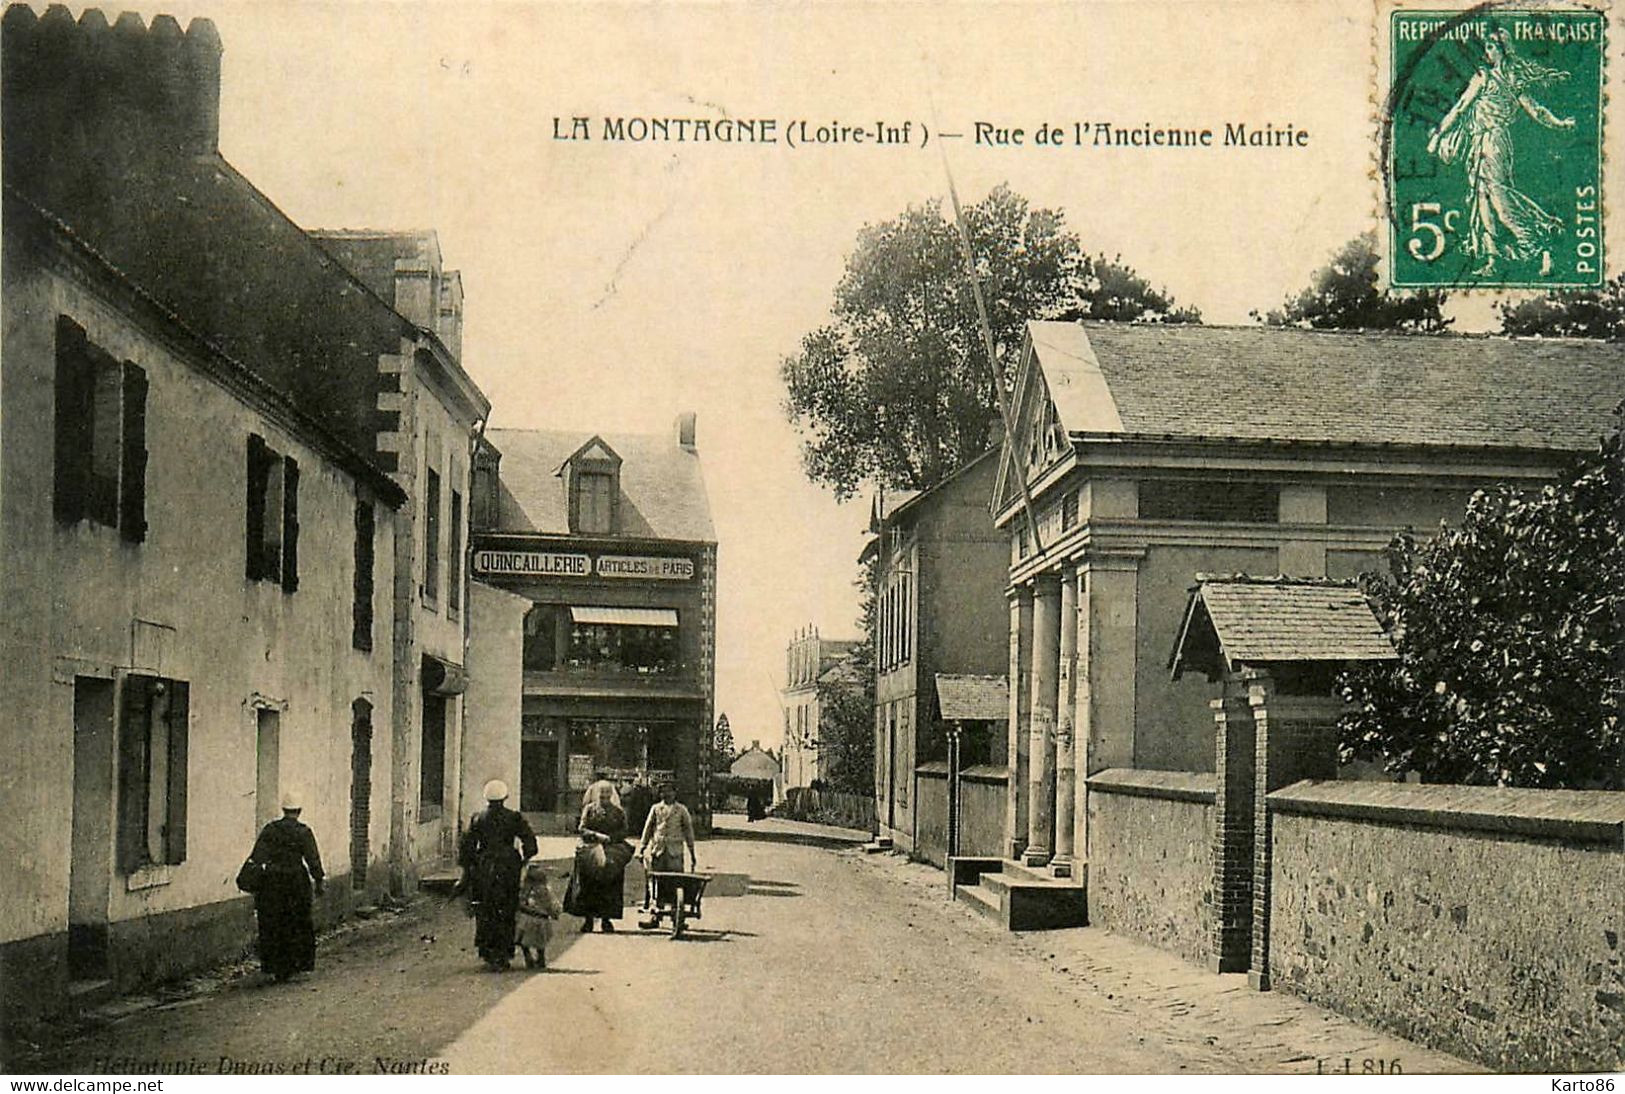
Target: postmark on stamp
{"points": [[1493, 147]]}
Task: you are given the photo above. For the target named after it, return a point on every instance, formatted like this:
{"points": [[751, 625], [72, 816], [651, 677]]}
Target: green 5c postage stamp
{"points": [[1493, 142]]}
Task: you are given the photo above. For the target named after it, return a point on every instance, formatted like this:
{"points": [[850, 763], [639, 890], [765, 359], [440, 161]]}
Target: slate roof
{"points": [[1283, 384], [973, 698], [662, 491], [1258, 620]]}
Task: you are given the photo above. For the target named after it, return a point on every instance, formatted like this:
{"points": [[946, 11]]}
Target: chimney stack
{"points": [[685, 430]]}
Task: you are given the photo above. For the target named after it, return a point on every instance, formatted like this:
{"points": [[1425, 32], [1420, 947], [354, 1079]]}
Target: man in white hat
{"points": [[491, 871], [291, 864]]}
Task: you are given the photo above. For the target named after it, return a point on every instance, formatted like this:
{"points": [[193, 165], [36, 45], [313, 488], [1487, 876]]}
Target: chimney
{"points": [[71, 86], [685, 430], [450, 327]]}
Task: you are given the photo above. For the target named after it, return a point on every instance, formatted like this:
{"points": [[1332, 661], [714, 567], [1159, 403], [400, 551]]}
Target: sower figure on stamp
{"points": [[1502, 220], [286, 852], [491, 868]]}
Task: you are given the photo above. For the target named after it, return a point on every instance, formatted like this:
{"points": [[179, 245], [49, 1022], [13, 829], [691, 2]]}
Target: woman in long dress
{"points": [[599, 877], [286, 851], [1502, 220], [491, 868]]}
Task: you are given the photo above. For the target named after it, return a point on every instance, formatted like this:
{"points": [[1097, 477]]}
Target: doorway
{"points": [[90, 869], [267, 763], [360, 791], [538, 776]]}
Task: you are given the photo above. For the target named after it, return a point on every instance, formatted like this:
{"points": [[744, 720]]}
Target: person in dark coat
{"points": [[598, 881], [286, 852], [637, 802], [491, 873]]}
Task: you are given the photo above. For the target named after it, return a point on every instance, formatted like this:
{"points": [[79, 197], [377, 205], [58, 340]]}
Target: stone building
{"points": [[197, 528], [808, 659], [428, 414], [757, 762], [594, 617], [1150, 453], [940, 572]]}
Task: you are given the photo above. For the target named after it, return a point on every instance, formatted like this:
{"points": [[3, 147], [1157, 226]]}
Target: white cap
{"points": [[496, 790], [291, 801]]}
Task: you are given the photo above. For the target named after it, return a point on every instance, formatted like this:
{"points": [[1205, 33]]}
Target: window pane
{"points": [[431, 535], [454, 553], [271, 528]]}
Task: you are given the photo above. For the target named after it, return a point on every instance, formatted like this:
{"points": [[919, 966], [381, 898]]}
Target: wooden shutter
{"points": [[134, 738], [133, 464], [75, 386], [361, 635], [258, 464], [290, 524], [177, 720]]}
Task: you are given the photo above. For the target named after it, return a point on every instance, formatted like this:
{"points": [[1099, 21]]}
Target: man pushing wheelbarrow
{"points": [[667, 832]]}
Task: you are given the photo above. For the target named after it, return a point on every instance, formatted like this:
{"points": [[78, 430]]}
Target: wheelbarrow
{"points": [[674, 897]]}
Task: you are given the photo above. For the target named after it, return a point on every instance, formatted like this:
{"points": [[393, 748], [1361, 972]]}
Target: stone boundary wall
{"points": [[1151, 858], [1483, 921]]}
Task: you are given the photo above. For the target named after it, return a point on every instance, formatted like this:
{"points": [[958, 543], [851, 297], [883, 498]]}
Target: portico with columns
{"points": [[1142, 455]]}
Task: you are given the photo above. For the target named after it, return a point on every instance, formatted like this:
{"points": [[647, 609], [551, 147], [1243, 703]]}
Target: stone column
{"points": [[1065, 724], [1021, 638], [1295, 737], [1041, 723]]}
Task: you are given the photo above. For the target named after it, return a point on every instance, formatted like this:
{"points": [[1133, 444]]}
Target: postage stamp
{"points": [[1493, 147]]}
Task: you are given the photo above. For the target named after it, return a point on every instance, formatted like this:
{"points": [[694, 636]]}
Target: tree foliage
{"points": [[723, 752], [896, 389], [847, 703], [1343, 295], [1511, 630], [1573, 313]]}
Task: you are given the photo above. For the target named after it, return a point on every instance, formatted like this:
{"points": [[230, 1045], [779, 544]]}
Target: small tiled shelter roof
{"points": [[1236, 619], [1286, 385], [963, 698], [662, 492]]}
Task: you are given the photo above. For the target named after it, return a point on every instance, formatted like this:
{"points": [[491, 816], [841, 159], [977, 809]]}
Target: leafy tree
{"points": [[1573, 313], [722, 745], [1511, 631], [1343, 295], [847, 703], [895, 389]]}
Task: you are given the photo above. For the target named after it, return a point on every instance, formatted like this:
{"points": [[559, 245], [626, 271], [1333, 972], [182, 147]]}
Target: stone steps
{"points": [[1022, 898]]}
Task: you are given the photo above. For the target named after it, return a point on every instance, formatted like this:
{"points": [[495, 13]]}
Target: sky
{"points": [[611, 286]]}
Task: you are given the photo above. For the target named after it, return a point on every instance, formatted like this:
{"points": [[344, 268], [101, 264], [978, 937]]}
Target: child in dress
{"points": [[538, 908]]}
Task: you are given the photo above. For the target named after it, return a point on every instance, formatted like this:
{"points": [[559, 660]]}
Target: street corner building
{"points": [[231, 520], [594, 617]]}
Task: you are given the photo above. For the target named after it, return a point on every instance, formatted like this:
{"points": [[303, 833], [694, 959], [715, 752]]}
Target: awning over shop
{"points": [[625, 617]]}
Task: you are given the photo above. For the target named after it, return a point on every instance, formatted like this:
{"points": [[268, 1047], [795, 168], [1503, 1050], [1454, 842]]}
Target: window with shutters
{"points": [[593, 501], [100, 436], [272, 533], [152, 772], [431, 537], [361, 631], [454, 558]]}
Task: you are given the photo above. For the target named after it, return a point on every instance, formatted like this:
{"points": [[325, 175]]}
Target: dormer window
{"points": [[593, 476]]}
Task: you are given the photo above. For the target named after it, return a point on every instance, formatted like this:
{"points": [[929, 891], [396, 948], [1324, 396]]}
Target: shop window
{"points": [[541, 638], [152, 772], [361, 609], [272, 546], [607, 639], [100, 436], [1210, 500], [431, 537]]}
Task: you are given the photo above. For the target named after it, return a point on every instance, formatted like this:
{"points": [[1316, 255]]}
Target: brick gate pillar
{"points": [[1295, 737], [1234, 766]]}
